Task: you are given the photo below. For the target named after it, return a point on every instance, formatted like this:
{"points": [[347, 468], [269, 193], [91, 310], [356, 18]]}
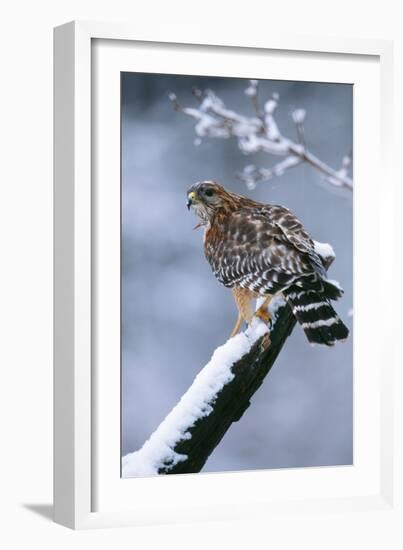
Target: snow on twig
{"points": [[298, 116], [251, 175], [259, 133]]}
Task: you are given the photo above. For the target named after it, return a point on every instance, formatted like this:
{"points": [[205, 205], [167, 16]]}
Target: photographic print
{"points": [[236, 274]]}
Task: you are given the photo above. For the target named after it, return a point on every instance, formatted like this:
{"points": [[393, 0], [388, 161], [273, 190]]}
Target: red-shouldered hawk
{"points": [[260, 250]]}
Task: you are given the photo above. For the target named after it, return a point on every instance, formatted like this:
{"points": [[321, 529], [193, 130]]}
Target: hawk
{"points": [[260, 250]]}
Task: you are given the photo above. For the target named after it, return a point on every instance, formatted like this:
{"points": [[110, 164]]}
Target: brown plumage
{"points": [[259, 250]]}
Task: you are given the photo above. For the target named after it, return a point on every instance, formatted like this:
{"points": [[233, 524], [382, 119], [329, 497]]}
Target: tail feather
{"points": [[315, 313]]}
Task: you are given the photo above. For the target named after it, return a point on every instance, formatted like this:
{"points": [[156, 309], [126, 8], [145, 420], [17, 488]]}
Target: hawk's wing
{"points": [[263, 249], [295, 233]]}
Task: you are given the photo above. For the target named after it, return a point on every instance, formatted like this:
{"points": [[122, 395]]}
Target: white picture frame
{"points": [[88, 492]]}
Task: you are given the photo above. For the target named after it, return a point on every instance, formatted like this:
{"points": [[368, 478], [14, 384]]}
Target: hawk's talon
{"points": [[263, 315]]}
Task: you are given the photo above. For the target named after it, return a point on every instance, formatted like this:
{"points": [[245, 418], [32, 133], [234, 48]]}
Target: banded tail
{"points": [[314, 312]]}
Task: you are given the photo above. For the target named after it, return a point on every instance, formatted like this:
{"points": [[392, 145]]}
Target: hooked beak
{"points": [[191, 199]]}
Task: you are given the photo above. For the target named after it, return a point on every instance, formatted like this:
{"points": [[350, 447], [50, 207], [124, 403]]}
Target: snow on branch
{"points": [[259, 133], [219, 396]]}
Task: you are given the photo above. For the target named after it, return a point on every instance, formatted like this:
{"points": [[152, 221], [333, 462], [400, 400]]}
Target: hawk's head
{"points": [[207, 198]]}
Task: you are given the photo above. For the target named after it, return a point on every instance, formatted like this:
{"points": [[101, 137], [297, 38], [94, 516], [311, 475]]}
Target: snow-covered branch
{"points": [[259, 133], [219, 396], [162, 452]]}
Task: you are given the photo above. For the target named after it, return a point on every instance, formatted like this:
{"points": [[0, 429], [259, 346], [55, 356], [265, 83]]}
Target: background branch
{"points": [[260, 133]]}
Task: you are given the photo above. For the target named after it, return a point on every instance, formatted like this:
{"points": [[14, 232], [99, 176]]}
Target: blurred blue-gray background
{"points": [[174, 312]]}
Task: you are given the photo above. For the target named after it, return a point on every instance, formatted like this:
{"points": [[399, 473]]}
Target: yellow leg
{"points": [[243, 300], [262, 312], [237, 326]]}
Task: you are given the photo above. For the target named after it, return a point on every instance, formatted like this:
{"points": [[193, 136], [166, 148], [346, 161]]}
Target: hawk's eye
{"points": [[209, 192]]}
